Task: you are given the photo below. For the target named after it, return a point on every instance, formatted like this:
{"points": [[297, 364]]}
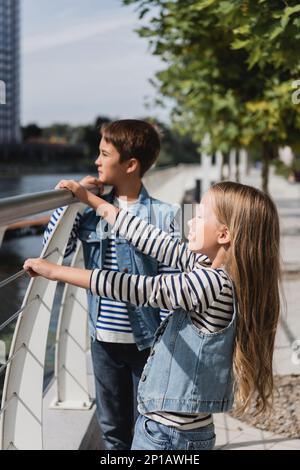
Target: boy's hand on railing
{"points": [[40, 267], [76, 189]]}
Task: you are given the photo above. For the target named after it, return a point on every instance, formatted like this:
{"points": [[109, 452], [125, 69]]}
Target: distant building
{"points": [[10, 71]]}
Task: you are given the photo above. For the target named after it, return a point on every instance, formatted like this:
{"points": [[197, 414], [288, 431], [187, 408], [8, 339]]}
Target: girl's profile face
{"points": [[204, 228]]}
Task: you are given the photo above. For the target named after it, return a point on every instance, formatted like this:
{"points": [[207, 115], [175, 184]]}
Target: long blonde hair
{"points": [[253, 264]]}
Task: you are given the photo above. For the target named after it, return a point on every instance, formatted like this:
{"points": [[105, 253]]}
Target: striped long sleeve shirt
{"points": [[72, 242], [205, 293], [113, 324]]}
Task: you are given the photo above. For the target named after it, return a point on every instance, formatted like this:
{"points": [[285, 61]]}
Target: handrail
{"points": [[14, 208], [25, 365], [29, 343]]}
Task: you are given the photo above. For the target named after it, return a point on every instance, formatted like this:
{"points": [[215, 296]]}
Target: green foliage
{"points": [[91, 135], [175, 148], [31, 131], [229, 68], [296, 164], [282, 169]]}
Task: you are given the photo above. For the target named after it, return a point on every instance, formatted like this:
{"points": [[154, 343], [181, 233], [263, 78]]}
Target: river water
{"points": [[13, 252]]}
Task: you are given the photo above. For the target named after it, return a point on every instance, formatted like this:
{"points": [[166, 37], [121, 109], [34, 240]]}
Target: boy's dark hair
{"points": [[133, 139]]}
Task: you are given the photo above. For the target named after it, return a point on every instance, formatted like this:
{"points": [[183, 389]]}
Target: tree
{"points": [[174, 147], [229, 70], [32, 131], [91, 135]]}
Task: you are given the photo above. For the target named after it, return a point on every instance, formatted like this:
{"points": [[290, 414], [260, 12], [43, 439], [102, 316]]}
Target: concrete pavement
{"points": [[233, 434]]}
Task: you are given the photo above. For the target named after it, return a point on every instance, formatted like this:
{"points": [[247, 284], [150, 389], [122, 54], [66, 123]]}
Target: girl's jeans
{"points": [[150, 435]]}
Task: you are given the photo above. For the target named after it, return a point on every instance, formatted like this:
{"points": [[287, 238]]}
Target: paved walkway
{"points": [[233, 434]]}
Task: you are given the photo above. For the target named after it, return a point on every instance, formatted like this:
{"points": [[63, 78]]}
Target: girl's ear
{"points": [[224, 236]]}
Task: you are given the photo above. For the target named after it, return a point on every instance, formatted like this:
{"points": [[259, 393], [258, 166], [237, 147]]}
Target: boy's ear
{"points": [[132, 165], [224, 236]]}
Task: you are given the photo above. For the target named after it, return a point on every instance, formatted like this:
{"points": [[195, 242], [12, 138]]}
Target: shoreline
{"points": [[34, 171]]}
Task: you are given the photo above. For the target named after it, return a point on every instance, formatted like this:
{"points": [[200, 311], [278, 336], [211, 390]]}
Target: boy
{"points": [[121, 333]]}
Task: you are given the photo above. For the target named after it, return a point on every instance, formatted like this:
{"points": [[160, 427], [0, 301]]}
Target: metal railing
{"points": [[21, 420]]}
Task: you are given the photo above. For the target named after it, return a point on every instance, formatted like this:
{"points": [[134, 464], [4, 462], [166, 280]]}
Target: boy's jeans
{"points": [[150, 435], [117, 370]]}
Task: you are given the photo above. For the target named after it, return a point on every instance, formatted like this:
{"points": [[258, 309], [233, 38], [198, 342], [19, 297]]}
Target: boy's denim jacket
{"points": [[93, 233]]}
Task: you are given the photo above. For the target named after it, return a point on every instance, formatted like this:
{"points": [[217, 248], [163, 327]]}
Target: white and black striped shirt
{"points": [[204, 292], [113, 324], [54, 219]]}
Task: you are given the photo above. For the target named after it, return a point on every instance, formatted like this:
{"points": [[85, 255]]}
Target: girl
{"points": [[218, 343]]}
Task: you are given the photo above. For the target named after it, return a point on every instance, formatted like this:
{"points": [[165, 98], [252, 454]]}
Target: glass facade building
{"points": [[10, 70]]}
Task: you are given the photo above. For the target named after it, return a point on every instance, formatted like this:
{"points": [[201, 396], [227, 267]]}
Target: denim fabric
{"points": [[94, 233], [117, 370], [188, 370], [150, 435]]}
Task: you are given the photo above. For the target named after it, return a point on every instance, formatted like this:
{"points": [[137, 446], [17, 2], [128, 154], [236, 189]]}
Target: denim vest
{"points": [[94, 233], [187, 370]]}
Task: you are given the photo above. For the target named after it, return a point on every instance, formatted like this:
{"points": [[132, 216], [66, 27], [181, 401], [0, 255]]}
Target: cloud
{"points": [[75, 33]]}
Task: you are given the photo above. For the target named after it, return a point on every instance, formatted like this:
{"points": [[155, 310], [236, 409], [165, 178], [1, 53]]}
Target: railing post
{"points": [[2, 233], [71, 347], [243, 157], [219, 165], [232, 165], [2, 352], [22, 400]]}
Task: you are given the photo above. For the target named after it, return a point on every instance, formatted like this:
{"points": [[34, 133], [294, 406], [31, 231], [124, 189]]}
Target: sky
{"points": [[81, 59]]}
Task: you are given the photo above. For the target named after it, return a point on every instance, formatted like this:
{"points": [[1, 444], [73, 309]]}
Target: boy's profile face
{"points": [[110, 170]]}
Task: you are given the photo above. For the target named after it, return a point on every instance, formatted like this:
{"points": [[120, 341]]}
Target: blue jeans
{"points": [[117, 370], [150, 435]]}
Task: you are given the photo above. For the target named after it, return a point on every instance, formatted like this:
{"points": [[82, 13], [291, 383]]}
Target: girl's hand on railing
{"points": [[103, 208], [40, 267], [54, 272], [87, 180], [92, 180]]}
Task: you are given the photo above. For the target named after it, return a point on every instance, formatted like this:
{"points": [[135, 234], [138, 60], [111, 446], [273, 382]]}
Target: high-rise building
{"points": [[10, 71]]}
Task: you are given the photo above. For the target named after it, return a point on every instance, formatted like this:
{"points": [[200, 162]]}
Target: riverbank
{"points": [[15, 171]]}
